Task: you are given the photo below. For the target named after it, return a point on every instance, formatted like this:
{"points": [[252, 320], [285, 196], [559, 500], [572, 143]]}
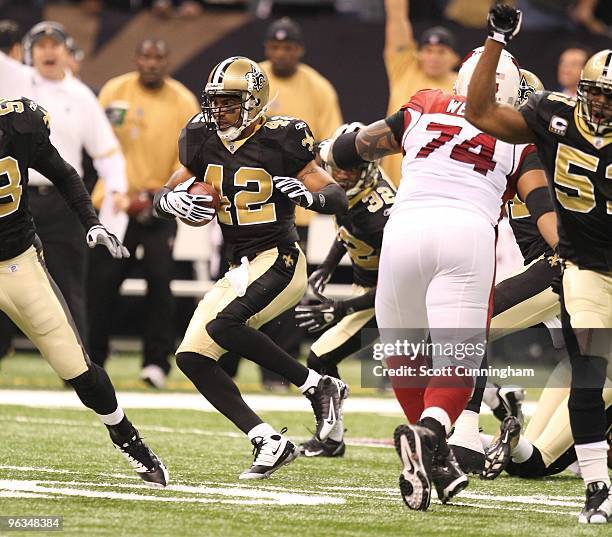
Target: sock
{"points": [[113, 418], [593, 461], [490, 397], [486, 440], [450, 394], [438, 414], [261, 430], [312, 380], [466, 431], [218, 388], [409, 391], [522, 451]]}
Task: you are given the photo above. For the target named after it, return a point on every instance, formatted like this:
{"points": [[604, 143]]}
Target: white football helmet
{"points": [[508, 76]]}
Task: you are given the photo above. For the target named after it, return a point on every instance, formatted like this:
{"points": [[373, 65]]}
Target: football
{"points": [[202, 189]]}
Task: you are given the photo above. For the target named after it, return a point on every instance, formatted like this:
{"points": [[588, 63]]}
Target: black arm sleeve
{"points": [[68, 182], [330, 200], [344, 152], [396, 124], [361, 302], [157, 210], [538, 203], [334, 256]]}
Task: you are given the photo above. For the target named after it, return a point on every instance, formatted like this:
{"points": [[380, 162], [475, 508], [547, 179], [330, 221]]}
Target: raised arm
{"points": [[398, 30], [499, 120]]}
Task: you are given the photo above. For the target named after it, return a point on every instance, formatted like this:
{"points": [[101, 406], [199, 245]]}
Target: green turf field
{"points": [[60, 462]]}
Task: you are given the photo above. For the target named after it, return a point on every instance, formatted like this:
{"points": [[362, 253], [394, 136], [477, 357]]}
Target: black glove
{"points": [[319, 316], [318, 280], [504, 22]]}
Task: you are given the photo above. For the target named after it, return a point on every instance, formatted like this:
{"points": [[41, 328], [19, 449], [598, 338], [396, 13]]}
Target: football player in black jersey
{"points": [[262, 168], [574, 143], [520, 301], [359, 233], [30, 297]]}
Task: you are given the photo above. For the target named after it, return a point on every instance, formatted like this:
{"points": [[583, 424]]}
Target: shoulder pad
{"points": [[279, 122], [424, 100], [25, 116], [191, 139]]}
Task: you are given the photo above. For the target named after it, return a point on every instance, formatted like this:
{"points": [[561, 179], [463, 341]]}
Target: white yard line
{"points": [[228, 495], [192, 401], [252, 494]]}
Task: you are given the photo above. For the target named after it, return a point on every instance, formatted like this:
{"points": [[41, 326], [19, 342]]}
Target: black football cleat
{"points": [[270, 453], [498, 454], [511, 402], [148, 466], [326, 400], [447, 476], [327, 448], [415, 446], [598, 506]]}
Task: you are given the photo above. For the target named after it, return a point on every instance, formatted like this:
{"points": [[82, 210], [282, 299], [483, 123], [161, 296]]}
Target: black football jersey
{"points": [[361, 230], [527, 235], [526, 232], [24, 138], [253, 215], [579, 173]]}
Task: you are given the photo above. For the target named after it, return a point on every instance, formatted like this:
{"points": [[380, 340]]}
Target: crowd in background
{"points": [[133, 149]]}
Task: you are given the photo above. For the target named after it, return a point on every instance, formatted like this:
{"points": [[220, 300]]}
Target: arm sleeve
{"points": [[67, 180], [361, 302], [157, 210], [396, 124], [334, 256]]}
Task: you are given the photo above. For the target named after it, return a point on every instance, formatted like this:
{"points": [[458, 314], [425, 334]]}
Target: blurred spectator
{"points": [[77, 123], [10, 39], [297, 90], [410, 69], [560, 15], [187, 9], [571, 62], [147, 109], [470, 13]]}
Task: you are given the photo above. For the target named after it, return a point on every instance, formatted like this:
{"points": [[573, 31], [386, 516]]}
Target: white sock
{"points": [[311, 381], [113, 418], [263, 429], [438, 414], [593, 461], [490, 397], [486, 439], [466, 431], [522, 451], [337, 433]]}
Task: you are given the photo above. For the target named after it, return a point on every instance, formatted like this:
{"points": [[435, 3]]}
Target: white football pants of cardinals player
{"points": [[436, 274]]}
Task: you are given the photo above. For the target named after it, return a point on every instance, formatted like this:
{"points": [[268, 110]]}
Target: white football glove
{"points": [[100, 235], [187, 206], [295, 190]]}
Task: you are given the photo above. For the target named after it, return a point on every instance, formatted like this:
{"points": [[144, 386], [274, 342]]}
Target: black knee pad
{"points": [[189, 362], [220, 330]]}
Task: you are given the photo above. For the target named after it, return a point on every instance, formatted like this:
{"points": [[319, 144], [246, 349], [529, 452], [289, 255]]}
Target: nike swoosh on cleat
{"points": [[331, 418], [308, 453], [275, 451]]}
